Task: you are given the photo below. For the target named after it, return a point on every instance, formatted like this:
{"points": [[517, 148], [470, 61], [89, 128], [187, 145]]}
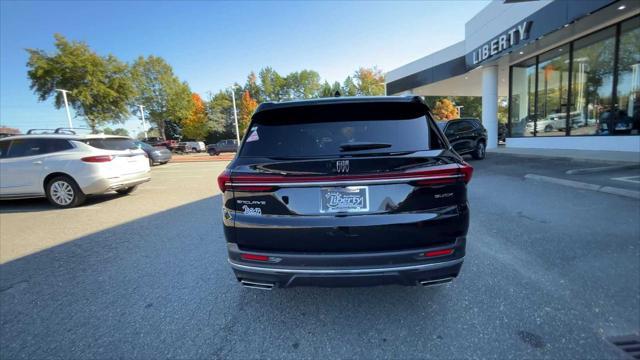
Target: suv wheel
{"points": [[480, 151], [127, 191], [62, 191], [548, 128]]}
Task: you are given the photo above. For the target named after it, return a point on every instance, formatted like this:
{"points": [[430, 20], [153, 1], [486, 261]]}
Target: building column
{"points": [[490, 104]]}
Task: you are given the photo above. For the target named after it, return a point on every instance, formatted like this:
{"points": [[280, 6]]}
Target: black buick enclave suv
{"points": [[345, 192]]}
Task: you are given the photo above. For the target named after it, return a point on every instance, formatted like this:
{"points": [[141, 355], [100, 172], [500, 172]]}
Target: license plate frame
{"points": [[348, 199]]}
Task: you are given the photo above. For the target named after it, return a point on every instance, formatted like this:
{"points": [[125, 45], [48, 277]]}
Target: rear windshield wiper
{"points": [[363, 146]]}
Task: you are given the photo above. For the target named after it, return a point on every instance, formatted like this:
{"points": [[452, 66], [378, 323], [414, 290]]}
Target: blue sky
{"points": [[213, 44]]}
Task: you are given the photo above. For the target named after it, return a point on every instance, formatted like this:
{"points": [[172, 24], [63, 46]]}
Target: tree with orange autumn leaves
{"points": [[445, 110], [247, 106], [195, 126]]}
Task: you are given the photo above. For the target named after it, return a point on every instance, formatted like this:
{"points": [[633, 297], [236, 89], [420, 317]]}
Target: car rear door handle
{"points": [[37, 162]]}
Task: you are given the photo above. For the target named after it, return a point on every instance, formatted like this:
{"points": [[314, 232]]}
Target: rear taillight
{"points": [[446, 175], [437, 253], [98, 158], [437, 175], [467, 171], [224, 179]]}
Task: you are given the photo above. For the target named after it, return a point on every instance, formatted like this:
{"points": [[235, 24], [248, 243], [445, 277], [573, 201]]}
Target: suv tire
{"points": [[63, 192], [480, 151]]}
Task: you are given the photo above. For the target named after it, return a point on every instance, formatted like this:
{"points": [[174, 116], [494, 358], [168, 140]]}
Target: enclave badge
{"points": [[342, 166]]}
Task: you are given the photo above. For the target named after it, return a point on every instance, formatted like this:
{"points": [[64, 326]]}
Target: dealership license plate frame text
{"points": [[350, 199]]}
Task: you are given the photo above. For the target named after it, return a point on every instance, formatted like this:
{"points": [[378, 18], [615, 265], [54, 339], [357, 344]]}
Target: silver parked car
{"points": [[65, 168], [156, 154]]}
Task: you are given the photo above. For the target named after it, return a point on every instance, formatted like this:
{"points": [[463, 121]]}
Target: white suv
{"points": [[66, 168]]}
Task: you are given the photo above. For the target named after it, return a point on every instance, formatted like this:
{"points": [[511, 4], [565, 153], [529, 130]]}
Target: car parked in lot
{"points": [[194, 146], [222, 146], [155, 141], [345, 192], [66, 168], [466, 136], [156, 154]]}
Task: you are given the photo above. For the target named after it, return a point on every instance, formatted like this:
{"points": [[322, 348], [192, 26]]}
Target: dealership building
{"points": [[568, 69]]}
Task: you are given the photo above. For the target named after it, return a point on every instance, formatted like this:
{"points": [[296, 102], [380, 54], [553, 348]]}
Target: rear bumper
{"points": [[339, 270], [103, 185], [159, 158]]}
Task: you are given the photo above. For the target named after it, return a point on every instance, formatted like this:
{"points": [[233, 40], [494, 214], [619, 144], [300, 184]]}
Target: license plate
{"points": [[344, 199]]}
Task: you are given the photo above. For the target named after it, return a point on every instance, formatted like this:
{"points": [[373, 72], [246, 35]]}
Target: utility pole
{"points": [[66, 105], [235, 113], [144, 124]]}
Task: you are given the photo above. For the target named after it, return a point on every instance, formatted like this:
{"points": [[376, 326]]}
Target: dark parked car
{"points": [[345, 192], [222, 146], [156, 154], [466, 136]]}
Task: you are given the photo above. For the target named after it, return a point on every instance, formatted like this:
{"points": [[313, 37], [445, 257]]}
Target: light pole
{"points": [[235, 113], [144, 124], [66, 105]]}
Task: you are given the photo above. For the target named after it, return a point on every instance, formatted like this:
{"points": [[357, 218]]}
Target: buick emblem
{"points": [[342, 166]]}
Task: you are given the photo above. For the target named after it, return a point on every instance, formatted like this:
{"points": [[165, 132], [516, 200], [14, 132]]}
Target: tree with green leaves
{"points": [[100, 88], [164, 96], [219, 110], [273, 85], [325, 90], [349, 87], [303, 84], [369, 81]]}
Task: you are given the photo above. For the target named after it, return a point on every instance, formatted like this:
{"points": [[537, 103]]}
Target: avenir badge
{"points": [[342, 166]]}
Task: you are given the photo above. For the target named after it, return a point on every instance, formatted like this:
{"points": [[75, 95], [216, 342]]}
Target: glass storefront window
{"points": [[522, 100], [628, 89], [553, 90], [592, 82], [570, 89]]}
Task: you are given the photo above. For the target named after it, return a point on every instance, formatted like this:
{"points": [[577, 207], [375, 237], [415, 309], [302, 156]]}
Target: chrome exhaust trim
{"points": [[256, 285], [436, 282]]}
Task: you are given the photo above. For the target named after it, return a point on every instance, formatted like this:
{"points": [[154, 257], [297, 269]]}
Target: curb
{"points": [[569, 157], [586, 186], [601, 169]]}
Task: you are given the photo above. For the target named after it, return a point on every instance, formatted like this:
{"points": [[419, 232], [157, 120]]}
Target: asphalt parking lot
{"points": [[551, 272]]}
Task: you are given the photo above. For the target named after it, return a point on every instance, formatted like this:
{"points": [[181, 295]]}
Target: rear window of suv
{"points": [[298, 135], [112, 143]]}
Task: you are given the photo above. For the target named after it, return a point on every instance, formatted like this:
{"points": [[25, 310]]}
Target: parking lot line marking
{"points": [[628, 179]]}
